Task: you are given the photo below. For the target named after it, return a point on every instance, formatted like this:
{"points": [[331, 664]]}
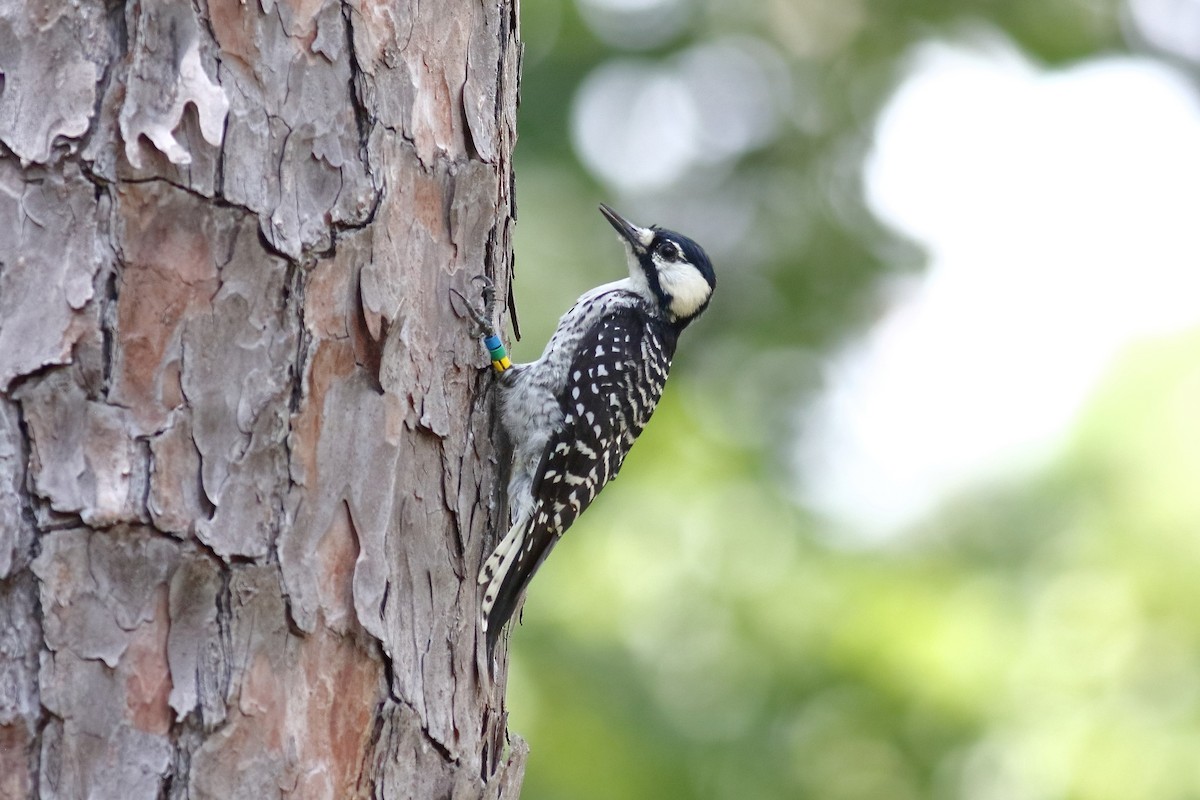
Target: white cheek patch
{"points": [[687, 287]]}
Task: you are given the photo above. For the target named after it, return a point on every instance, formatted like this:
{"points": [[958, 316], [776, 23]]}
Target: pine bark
{"points": [[246, 467]]}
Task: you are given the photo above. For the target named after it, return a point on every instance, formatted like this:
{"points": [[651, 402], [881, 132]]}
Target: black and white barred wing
{"points": [[613, 385]]}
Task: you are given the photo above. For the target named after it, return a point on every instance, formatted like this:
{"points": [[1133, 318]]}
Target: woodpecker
{"points": [[572, 415]]}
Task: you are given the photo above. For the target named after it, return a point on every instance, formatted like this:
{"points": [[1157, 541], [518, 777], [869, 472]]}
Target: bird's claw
{"points": [[489, 295], [484, 317]]}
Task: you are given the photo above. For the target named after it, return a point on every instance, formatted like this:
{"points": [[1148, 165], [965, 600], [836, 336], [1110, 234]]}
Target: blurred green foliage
{"points": [[699, 633]]}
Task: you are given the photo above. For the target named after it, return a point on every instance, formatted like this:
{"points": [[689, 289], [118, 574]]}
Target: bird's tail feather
{"points": [[497, 577], [509, 570]]}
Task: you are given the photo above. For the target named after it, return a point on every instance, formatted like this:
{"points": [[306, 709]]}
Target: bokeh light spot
{"points": [[1058, 210]]}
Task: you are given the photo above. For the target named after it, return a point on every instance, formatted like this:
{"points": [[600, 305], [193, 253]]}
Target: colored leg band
{"points": [[497, 353]]}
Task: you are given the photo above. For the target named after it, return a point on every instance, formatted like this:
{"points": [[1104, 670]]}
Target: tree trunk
{"points": [[246, 473]]}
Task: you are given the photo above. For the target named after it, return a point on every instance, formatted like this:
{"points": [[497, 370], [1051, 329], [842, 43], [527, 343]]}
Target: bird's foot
{"points": [[484, 319]]}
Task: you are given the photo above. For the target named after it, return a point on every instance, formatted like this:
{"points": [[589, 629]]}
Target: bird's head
{"points": [[674, 270]]}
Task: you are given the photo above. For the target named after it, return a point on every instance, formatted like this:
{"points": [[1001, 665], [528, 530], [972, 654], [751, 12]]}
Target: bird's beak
{"points": [[638, 238]]}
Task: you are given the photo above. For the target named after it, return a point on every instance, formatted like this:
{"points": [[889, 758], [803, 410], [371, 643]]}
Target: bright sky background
{"points": [[1061, 213]]}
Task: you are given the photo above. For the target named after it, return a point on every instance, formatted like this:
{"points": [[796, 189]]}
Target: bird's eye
{"points": [[669, 251]]}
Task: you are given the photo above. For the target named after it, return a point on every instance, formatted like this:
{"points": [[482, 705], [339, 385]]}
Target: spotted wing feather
{"points": [[614, 383]]}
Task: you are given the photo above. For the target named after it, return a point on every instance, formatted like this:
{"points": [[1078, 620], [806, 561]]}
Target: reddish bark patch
{"points": [[341, 689], [15, 742], [333, 361], [327, 299], [169, 272], [337, 554], [264, 697], [307, 722], [148, 684], [428, 204], [234, 30], [300, 18]]}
